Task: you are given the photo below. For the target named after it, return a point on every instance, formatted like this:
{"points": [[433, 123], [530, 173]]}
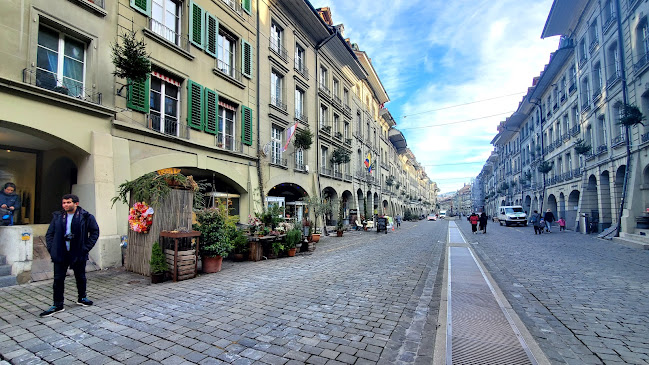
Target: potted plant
{"points": [[217, 234], [341, 214], [158, 264], [276, 248], [293, 238], [240, 246]]}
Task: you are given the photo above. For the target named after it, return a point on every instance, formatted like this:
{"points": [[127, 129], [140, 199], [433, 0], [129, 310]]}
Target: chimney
{"points": [[325, 14]]}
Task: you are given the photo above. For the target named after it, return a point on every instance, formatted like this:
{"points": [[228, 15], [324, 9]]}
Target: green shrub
{"points": [[293, 237], [158, 261]]}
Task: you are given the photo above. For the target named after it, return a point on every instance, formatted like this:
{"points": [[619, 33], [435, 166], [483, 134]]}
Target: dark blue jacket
{"points": [[12, 200], [85, 231]]}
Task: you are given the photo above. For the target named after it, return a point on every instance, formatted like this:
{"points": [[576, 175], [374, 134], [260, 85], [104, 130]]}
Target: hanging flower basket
{"points": [[140, 217]]}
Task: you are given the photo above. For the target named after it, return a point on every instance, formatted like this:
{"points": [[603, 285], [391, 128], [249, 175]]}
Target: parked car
{"points": [[432, 217], [512, 214]]}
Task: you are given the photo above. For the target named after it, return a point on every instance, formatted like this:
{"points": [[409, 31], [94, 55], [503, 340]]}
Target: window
{"points": [[299, 159], [324, 153], [346, 130], [226, 125], [585, 92], [299, 105], [566, 124], [276, 81], [346, 97], [358, 123], [336, 124], [573, 79], [165, 19], [643, 41], [300, 61], [60, 62], [617, 116], [592, 33], [276, 39], [583, 51], [276, 146], [324, 77], [164, 104], [614, 61], [602, 132], [336, 91], [226, 54], [609, 14], [597, 78], [323, 116], [568, 162]]}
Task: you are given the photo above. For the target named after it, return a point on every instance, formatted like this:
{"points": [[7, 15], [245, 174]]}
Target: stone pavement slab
{"points": [[356, 299]]}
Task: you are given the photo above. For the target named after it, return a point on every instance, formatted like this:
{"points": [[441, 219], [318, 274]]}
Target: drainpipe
{"points": [[259, 176], [626, 128]]}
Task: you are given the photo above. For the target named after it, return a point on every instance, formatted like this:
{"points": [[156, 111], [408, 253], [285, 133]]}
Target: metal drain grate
{"points": [[479, 331]]}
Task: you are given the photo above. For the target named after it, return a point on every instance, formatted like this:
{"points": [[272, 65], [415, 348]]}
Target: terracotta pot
{"points": [[239, 257], [315, 237], [291, 252], [339, 233], [157, 278], [212, 264]]}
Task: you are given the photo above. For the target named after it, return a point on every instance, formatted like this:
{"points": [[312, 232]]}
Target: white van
{"points": [[512, 214], [442, 214]]}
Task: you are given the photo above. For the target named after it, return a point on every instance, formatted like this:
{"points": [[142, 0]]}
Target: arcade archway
{"points": [[288, 195]]}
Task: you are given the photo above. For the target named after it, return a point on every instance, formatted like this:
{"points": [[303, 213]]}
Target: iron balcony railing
{"points": [[348, 109], [299, 115], [642, 62], [277, 102], [228, 70], [575, 130], [615, 77], [323, 88], [566, 137], [300, 165], [597, 94], [169, 35], [609, 21], [276, 159], [557, 142], [348, 141], [602, 149], [618, 140], [582, 62], [338, 175], [347, 177], [301, 68], [338, 136], [278, 49], [325, 126], [593, 45], [48, 80], [585, 106], [567, 175], [645, 137], [168, 126], [337, 100], [358, 135], [228, 143], [325, 171], [572, 88]]}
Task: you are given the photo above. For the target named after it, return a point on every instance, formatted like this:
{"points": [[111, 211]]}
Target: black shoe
{"points": [[84, 302], [53, 309]]}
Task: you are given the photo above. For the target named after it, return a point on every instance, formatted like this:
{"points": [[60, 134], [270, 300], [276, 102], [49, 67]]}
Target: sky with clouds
{"points": [[453, 71]]}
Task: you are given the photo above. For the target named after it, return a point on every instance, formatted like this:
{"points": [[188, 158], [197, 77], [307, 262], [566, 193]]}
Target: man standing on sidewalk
{"points": [[72, 234]]}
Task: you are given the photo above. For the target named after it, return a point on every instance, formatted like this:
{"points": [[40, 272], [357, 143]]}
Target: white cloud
{"points": [[432, 54]]}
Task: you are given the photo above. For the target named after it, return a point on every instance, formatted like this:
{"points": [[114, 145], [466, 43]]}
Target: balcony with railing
{"points": [[277, 160], [347, 109], [585, 106], [347, 176], [348, 141], [323, 89], [228, 143], [562, 96], [276, 101], [566, 136], [572, 88], [49, 81], [277, 48], [325, 126], [577, 172], [168, 126], [642, 62], [558, 143], [338, 175], [325, 171], [602, 149], [299, 166], [169, 35], [582, 62], [338, 136], [574, 131], [644, 137], [226, 69], [550, 147], [555, 107], [597, 94], [615, 77], [618, 141], [593, 45], [608, 22], [337, 100], [567, 175], [301, 116], [301, 68], [358, 135]]}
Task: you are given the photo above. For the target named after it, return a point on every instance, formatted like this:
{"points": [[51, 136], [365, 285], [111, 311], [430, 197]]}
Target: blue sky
{"points": [[435, 57]]}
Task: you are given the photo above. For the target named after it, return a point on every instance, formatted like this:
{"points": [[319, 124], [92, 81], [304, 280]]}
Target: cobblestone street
{"points": [[362, 299], [585, 300]]}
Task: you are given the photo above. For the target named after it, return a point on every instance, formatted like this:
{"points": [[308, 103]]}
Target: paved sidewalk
{"points": [[365, 298], [585, 300]]}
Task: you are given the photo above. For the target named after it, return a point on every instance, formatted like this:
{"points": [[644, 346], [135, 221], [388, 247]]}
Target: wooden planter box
{"points": [[181, 257]]}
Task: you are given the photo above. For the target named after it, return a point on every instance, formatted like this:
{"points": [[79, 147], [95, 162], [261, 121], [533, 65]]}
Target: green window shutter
{"points": [[196, 19], [195, 105], [143, 6], [211, 34], [246, 125], [211, 112], [246, 59], [138, 96], [246, 5]]}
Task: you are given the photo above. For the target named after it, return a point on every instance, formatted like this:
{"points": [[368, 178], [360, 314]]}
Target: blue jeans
{"points": [[548, 225]]}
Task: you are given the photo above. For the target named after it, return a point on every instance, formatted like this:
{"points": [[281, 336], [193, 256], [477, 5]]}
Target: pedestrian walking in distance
{"points": [[562, 224], [483, 222], [474, 219], [398, 220], [548, 218], [72, 233], [535, 220]]}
